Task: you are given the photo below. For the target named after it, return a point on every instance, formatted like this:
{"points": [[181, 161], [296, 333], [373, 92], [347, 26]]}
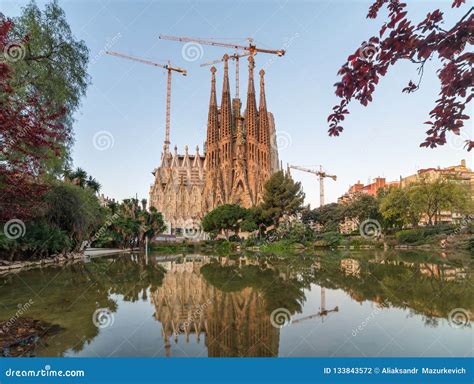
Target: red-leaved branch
{"points": [[28, 137], [401, 39]]}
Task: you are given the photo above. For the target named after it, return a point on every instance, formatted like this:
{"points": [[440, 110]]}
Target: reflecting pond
{"points": [[370, 303]]}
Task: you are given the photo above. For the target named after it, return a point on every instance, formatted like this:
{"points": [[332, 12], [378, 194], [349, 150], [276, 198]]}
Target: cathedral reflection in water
{"points": [[233, 324]]}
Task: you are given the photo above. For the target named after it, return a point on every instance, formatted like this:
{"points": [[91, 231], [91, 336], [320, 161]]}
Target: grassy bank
{"points": [[420, 238]]}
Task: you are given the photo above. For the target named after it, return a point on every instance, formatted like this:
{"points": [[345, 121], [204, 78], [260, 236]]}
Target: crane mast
{"points": [[168, 112], [169, 68], [321, 175], [236, 58]]}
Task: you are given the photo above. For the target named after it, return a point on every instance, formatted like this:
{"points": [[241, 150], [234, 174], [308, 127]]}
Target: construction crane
{"points": [[321, 174], [322, 310], [251, 48], [319, 314], [235, 57], [170, 69]]}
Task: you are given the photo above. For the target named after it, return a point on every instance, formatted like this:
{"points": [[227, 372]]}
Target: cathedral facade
{"points": [[240, 155]]}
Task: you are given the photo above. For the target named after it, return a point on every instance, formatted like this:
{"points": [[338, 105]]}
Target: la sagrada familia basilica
{"points": [[240, 155]]}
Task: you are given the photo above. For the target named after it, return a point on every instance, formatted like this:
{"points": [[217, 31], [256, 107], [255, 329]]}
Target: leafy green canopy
{"points": [[54, 64], [427, 198], [282, 196], [227, 217], [129, 224]]}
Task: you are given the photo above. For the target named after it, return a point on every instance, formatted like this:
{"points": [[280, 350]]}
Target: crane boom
{"points": [[148, 62], [235, 57], [170, 70], [251, 48], [322, 175]]}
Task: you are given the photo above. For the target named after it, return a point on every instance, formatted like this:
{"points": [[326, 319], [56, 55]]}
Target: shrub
{"points": [[328, 239], [470, 245], [420, 235], [40, 240]]}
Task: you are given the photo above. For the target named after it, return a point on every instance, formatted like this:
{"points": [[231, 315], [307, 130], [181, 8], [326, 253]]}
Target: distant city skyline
{"points": [[125, 104]]}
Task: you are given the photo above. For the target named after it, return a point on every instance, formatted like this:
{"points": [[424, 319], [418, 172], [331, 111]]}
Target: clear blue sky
{"points": [[128, 99]]}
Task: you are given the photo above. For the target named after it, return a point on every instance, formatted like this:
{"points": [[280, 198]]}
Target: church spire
{"points": [[263, 127], [226, 108], [251, 111], [213, 115], [212, 150]]}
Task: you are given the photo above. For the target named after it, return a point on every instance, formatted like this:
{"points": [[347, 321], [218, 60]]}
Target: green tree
{"points": [[80, 177], [129, 224], [395, 208], [225, 218], [329, 216], [93, 184], [252, 220], [363, 207], [432, 197], [68, 216], [74, 210], [281, 196], [53, 68], [406, 206], [400, 207]]}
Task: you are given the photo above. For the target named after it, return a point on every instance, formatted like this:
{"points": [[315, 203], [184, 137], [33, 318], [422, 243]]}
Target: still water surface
{"points": [[331, 304]]}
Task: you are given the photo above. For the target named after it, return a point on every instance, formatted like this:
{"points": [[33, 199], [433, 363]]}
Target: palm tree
{"points": [[79, 177], [67, 173], [113, 205], [93, 184]]}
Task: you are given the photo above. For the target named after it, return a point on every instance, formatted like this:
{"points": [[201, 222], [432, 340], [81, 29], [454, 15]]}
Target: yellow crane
{"points": [[251, 48], [321, 174], [236, 58], [170, 69]]}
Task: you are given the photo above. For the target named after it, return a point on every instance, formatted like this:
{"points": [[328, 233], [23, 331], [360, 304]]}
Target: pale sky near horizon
{"points": [[127, 99]]}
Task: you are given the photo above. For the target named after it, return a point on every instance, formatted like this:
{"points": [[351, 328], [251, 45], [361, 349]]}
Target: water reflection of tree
{"points": [[402, 284], [132, 277], [69, 296], [278, 291], [418, 281]]}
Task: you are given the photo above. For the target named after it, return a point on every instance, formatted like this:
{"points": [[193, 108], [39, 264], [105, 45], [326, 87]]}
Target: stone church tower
{"points": [[240, 156]]}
